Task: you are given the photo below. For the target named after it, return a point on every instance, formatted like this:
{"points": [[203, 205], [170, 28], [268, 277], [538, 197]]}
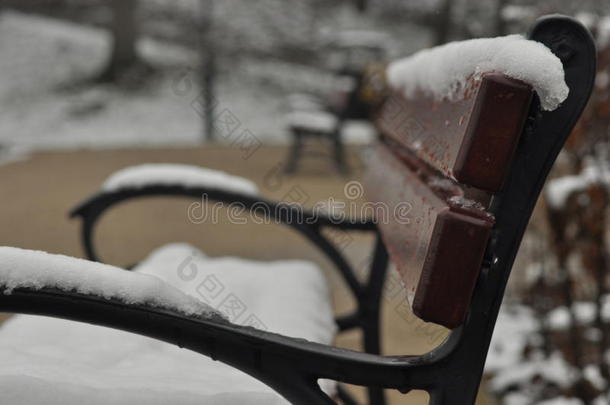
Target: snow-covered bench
{"points": [[468, 139], [339, 122]]}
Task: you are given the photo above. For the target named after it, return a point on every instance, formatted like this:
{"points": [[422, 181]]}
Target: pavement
{"points": [[38, 192]]}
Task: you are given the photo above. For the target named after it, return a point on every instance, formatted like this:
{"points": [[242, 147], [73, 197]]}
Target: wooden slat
{"points": [[436, 244], [471, 139]]}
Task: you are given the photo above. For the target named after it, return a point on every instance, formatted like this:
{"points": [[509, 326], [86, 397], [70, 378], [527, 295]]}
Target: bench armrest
{"points": [[194, 182], [51, 285]]}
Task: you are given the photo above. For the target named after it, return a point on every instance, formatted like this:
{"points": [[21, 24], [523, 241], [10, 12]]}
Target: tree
{"points": [[499, 21], [208, 67], [124, 58], [443, 23]]}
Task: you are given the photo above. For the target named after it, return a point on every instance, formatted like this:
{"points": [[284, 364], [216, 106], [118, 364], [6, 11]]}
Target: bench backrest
{"points": [[447, 158]]}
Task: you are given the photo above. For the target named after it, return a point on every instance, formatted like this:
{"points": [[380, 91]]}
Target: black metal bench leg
{"points": [[372, 312], [457, 393], [295, 152], [372, 345]]}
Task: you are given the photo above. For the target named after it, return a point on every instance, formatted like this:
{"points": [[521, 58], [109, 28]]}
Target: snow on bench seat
{"points": [[443, 71], [318, 121], [54, 361], [352, 131], [20, 268], [177, 174]]}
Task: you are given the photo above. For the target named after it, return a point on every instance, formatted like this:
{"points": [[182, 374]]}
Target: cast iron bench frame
{"points": [[451, 372]]}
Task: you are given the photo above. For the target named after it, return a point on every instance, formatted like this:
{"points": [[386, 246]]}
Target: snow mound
{"points": [[554, 369], [177, 175], [559, 190], [443, 71], [319, 121], [515, 325], [584, 312], [72, 360], [290, 297], [20, 268]]}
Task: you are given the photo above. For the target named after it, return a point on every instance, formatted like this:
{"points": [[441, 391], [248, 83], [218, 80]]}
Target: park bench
{"points": [[344, 114], [470, 167]]}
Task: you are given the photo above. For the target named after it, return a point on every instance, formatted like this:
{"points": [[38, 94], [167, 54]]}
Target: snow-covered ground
{"points": [[42, 105], [41, 108]]}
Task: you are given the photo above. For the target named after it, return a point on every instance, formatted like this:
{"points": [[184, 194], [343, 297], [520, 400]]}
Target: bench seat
{"points": [[55, 361]]}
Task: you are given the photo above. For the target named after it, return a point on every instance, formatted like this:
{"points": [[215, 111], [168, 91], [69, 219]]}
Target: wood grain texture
{"points": [[436, 243], [471, 139]]}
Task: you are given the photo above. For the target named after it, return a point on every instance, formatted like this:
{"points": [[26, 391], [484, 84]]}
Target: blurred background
{"points": [[282, 92]]}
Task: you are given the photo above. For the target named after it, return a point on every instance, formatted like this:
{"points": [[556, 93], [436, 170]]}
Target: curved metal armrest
{"points": [[283, 212], [306, 222], [288, 365]]}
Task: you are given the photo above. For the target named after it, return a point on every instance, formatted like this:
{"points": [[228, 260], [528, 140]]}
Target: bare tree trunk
{"points": [[124, 55], [561, 246], [362, 5], [499, 23], [208, 68], [443, 23], [598, 224]]}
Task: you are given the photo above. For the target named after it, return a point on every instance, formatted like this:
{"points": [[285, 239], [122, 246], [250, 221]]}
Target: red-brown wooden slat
{"points": [[471, 139], [437, 245]]}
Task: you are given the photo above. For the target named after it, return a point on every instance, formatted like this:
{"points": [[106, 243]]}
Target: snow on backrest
{"points": [[471, 140], [443, 71]]}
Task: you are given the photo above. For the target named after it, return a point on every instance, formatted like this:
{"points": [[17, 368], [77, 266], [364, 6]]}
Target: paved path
{"points": [[37, 194]]}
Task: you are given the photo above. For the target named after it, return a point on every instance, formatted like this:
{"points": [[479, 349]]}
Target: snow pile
{"points": [[587, 19], [593, 374], [466, 203], [601, 400], [21, 268], [290, 297], [443, 71], [39, 112], [514, 327], [167, 174], [319, 121], [307, 112], [518, 398], [554, 369], [47, 355], [560, 189], [359, 132], [584, 312]]}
